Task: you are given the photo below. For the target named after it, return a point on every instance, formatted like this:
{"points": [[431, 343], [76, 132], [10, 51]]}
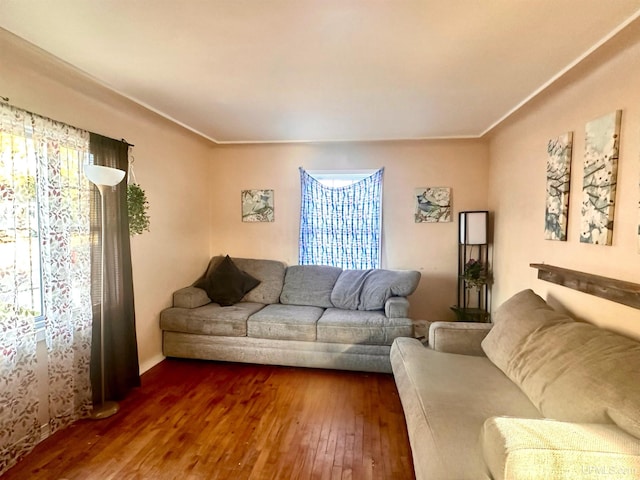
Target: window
{"points": [[341, 218], [40, 187], [19, 225]]}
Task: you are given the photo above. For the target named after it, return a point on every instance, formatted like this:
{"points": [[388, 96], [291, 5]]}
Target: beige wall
{"points": [[606, 82], [169, 164], [194, 188], [429, 248]]}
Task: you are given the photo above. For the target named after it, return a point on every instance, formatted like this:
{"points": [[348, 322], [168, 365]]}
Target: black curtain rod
{"points": [[6, 100]]}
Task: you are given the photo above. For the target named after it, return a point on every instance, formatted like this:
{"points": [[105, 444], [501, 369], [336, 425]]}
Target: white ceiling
{"points": [[322, 70]]}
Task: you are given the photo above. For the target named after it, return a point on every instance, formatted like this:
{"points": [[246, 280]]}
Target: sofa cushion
{"points": [[536, 449], [211, 319], [309, 285], [284, 322], [370, 289], [271, 276], [190, 297], [226, 284], [269, 272], [628, 423], [361, 327], [596, 369], [514, 321], [446, 398]]}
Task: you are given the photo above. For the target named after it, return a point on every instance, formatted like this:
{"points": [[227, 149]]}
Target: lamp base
{"points": [[104, 410]]}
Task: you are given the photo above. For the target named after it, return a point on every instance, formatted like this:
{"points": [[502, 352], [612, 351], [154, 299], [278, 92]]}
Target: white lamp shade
{"points": [[473, 228], [103, 176]]}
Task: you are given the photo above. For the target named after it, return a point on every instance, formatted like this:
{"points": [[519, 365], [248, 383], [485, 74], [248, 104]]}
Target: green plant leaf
{"points": [[137, 206]]}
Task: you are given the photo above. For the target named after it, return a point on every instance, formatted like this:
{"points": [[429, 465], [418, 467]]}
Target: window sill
{"points": [[40, 335]]}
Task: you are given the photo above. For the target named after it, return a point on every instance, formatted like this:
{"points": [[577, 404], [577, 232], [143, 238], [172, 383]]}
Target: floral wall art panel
{"points": [[257, 205], [558, 183], [599, 178], [433, 204]]}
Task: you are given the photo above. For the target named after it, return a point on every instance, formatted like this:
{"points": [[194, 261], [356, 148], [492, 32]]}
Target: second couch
{"points": [[301, 315]]}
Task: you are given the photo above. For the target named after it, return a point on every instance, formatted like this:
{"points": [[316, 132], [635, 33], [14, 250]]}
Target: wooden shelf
{"points": [[619, 291]]}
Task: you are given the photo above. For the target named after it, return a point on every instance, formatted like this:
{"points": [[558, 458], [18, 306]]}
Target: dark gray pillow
{"points": [[227, 284]]}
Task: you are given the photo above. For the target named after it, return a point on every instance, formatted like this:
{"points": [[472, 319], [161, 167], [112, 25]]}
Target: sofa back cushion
{"points": [[270, 273], [577, 372], [571, 371], [370, 289], [514, 321], [309, 285]]}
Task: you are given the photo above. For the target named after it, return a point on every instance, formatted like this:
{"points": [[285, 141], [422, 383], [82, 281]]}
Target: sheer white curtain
{"points": [[64, 203], [19, 429], [45, 275]]}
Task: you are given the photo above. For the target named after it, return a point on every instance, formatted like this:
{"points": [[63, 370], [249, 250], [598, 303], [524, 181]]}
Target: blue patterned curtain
{"points": [[341, 226]]}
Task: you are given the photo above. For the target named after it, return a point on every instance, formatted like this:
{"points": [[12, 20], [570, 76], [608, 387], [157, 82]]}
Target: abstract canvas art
{"points": [[558, 182], [257, 205], [600, 173], [433, 204]]}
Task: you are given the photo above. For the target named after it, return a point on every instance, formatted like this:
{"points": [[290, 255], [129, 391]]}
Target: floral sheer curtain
{"points": [[45, 276], [19, 429], [64, 199], [341, 226]]}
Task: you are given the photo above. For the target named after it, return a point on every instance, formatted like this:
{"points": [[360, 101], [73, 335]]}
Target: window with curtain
{"points": [[341, 226], [45, 275], [49, 270]]}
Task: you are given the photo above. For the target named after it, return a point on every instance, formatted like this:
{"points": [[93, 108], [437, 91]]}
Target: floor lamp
{"points": [[103, 177]]}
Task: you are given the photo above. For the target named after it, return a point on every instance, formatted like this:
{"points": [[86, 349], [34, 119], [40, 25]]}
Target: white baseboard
{"points": [[152, 362]]}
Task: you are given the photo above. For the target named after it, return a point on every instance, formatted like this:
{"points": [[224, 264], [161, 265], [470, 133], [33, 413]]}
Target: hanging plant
{"points": [[138, 206], [137, 203]]}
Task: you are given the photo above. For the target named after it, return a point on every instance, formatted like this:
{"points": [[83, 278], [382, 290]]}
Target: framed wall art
{"points": [[556, 213], [257, 206], [600, 172], [433, 204]]}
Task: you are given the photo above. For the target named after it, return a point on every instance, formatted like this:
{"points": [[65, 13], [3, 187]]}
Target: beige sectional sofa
{"points": [[538, 396], [301, 315]]}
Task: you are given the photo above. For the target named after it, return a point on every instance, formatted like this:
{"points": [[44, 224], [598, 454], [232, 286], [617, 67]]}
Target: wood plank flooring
{"points": [[209, 420]]}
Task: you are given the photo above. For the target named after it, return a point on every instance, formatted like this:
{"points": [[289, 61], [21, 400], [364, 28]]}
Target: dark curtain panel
{"points": [[120, 345]]}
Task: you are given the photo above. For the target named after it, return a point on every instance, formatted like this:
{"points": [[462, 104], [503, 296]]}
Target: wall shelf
{"points": [[619, 291]]}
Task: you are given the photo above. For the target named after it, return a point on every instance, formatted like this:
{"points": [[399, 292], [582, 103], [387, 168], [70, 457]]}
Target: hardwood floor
{"points": [[209, 420]]}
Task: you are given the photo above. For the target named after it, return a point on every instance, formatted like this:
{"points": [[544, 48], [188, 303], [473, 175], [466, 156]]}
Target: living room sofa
{"points": [[536, 395], [301, 315]]}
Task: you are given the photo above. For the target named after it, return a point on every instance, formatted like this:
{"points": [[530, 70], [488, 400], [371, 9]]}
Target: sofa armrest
{"points": [[190, 297], [396, 307], [519, 448], [458, 337]]}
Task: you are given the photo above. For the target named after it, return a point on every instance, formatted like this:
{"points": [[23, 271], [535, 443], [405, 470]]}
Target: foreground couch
{"points": [[538, 396], [261, 311]]}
